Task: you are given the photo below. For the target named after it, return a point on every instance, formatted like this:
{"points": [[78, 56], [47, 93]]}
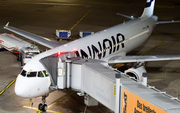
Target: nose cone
{"points": [[21, 87]]}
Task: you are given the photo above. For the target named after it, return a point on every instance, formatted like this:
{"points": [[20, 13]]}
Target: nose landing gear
{"points": [[42, 106]]}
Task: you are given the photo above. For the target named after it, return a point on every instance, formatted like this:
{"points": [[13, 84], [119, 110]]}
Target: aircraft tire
{"points": [[40, 107], [45, 107]]}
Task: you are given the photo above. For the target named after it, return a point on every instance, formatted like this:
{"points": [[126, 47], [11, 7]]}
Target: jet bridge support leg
{"points": [[144, 80], [68, 74], [90, 101], [118, 91]]}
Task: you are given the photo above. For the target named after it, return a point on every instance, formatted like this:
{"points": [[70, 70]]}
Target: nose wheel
{"points": [[42, 106]]}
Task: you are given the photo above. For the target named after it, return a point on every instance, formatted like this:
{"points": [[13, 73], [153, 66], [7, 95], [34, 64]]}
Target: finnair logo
{"points": [[101, 48], [148, 4]]}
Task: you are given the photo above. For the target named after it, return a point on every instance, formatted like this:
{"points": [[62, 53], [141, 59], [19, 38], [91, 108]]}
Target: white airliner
{"points": [[110, 45]]}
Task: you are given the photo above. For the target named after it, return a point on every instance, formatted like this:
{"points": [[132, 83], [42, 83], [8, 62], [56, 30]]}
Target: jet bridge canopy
{"points": [[51, 62]]}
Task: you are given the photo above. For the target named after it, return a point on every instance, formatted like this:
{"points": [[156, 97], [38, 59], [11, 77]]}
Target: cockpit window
{"points": [[40, 74], [31, 74], [45, 73], [23, 73]]}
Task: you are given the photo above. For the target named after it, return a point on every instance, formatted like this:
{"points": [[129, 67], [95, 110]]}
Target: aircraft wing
{"points": [[12, 43], [38, 39], [128, 59]]}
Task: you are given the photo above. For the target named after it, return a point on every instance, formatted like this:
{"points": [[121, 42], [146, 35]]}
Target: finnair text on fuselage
{"points": [[106, 44]]}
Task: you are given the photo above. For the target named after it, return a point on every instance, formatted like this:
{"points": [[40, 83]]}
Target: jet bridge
{"points": [[117, 91]]}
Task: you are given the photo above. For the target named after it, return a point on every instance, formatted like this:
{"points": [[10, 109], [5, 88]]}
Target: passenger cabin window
{"points": [[40, 74], [45, 73], [31, 74], [23, 73]]}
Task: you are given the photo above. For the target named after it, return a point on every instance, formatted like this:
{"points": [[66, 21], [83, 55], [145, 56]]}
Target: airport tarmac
{"points": [[43, 17]]}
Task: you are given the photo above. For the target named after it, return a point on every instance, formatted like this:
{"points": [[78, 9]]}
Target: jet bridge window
{"points": [[23, 73], [40, 74], [31, 74]]}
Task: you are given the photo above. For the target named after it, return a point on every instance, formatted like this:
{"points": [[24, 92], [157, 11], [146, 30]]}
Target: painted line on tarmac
{"points": [[2, 91], [154, 46], [10, 84], [81, 19], [60, 99], [69, 103], [29, 107]]}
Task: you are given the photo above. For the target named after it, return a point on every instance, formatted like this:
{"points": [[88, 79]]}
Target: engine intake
{"points": [[136, 72]]}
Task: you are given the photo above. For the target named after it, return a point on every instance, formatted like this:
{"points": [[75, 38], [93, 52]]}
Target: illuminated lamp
{"points": [[59, 53]]}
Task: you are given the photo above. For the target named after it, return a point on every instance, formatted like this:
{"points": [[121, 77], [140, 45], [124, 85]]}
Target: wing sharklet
{"points": [[7, 24]]}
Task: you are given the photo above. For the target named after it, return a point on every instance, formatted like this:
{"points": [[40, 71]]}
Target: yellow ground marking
{"points": [[7, 87], [85, 109], [59, 40], [1, 92], [81, 19], [165, 6], [29, 107], [60, 99], [118, 66], [10, 84], [154, 46]]}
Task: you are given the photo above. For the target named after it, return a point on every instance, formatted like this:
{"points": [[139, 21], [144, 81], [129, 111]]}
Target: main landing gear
{"points": [[42, 106]]}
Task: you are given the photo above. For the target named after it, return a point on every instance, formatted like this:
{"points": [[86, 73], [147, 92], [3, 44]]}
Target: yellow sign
{"points": [[132, 103]]}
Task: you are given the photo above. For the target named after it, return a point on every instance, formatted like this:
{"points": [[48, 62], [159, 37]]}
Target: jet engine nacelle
{"points": [[136, 72]]}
